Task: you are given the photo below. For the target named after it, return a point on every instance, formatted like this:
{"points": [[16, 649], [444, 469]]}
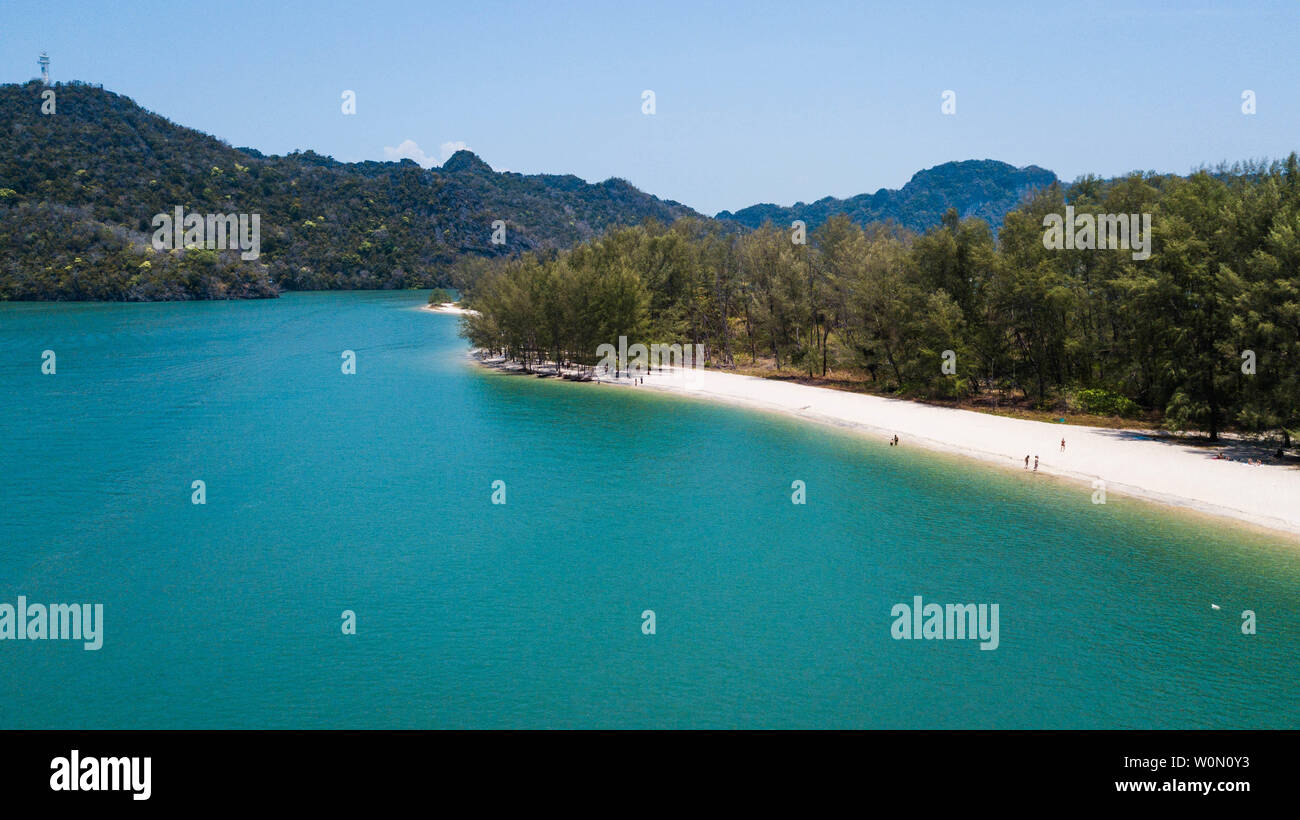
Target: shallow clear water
{"points": [[372, 492]]}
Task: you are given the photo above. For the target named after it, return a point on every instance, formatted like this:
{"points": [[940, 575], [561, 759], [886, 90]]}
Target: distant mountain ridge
{"points": [[982, 188], [105, 166], [79, 189]]}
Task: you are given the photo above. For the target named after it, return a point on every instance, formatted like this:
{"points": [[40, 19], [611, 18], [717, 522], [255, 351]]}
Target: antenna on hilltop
{"points": [[45, 68]]}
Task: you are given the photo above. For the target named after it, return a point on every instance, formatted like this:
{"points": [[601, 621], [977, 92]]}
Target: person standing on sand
{"points": [[1062, 445], [1026, 461], [1035, 463], [895, 440]]}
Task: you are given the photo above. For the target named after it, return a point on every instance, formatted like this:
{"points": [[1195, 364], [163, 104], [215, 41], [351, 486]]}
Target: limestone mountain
{"points": [[106, 166], [984, 188]]}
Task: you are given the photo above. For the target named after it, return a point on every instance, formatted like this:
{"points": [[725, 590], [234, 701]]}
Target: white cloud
{"points": [[449, 148], [410, 150]]}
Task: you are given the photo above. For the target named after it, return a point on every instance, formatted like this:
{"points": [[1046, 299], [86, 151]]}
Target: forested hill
{"points": [[986, 189], [79, 189]]}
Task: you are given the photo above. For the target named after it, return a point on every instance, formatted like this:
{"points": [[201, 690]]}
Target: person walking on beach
{"points": [[1035, 463], [895, 440], [1026, 461], [1062, 445]]}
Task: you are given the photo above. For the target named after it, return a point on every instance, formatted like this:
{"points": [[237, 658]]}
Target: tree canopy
{"points": [[1205, 333]]}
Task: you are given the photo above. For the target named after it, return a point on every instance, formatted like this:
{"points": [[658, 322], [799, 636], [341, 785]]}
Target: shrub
{"points": [[1104, 403]]}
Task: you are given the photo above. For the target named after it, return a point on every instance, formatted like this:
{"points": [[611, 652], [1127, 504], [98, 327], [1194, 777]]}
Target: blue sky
{"points": [[755, 102]]}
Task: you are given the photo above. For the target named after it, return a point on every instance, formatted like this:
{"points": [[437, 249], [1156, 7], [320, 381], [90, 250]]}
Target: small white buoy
{"points": [[1214, 606]]}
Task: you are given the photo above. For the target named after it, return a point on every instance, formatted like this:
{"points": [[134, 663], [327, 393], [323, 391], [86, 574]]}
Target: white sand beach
{"points": [[448, 307], [1137, 463]]}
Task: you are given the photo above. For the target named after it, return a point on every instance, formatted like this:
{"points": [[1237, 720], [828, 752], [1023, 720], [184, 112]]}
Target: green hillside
{"points": [[106, 166]]}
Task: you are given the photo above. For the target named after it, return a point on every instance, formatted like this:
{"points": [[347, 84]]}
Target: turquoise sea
{"points": [[372, 492]]}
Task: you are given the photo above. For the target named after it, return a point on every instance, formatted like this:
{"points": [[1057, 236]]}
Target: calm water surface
{"points": [[371, 492]]}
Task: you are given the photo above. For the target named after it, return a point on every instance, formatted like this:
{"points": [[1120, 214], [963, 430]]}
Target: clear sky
{"points": [[755, 102]]}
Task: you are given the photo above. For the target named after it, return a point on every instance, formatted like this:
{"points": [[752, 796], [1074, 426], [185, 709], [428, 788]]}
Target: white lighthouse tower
{"points": [[45, 68]]}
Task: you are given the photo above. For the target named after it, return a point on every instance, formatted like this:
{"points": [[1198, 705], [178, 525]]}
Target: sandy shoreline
{"points": [[1130, 462], [448, 307]]}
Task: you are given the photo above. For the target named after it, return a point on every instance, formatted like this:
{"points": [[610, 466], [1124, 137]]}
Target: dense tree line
{"points": [[75, 257], [1175, 335]]}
